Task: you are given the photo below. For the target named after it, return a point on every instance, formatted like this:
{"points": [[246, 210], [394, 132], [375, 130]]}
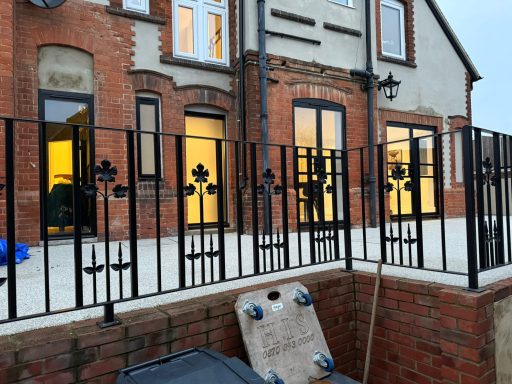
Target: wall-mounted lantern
{"points": [[390, 86]]}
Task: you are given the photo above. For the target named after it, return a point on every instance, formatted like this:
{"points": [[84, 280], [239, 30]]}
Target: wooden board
{"points": [[287, 337]]}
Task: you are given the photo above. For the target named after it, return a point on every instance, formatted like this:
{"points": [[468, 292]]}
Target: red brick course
{"points": [[425, 333]]}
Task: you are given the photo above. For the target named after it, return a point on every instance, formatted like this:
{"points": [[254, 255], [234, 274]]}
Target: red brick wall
{"points": [[82, 352], [425, 333]]}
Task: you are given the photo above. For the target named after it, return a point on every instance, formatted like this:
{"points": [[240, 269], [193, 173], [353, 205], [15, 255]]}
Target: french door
{"points": [[319, 124], [399, 152], [57, 160]]}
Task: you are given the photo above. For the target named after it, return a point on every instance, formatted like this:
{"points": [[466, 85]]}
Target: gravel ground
{"points": [[31, 283]]}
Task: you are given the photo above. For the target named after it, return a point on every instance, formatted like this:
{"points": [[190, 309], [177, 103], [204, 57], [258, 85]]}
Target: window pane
{"points": [[391, 31], [215, 36], [186, 29], [147, 141]]}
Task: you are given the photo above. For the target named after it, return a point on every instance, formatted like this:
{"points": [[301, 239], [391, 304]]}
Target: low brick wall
{"points": [[425, 333]]}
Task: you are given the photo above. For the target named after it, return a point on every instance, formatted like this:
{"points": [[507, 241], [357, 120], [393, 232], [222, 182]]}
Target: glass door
{"points": [[400, 153], [58, 146], [202, 151], [319, 124]]}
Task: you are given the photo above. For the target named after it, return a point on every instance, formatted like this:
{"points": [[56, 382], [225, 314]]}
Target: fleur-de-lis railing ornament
{"points": [[409, 241], [106, 173], [264, 246], [329, 237], [278, 245], [93, 270], [268, 190], [268, 180], [211, 254], [392, 240], [200, 175], [489, 176], [193, 256], [319, 189], [398, 174], [120, 267]]}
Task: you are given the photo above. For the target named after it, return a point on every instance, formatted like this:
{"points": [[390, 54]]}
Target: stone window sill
{"points": [[169, 59], [406, 63], [135, 15]]}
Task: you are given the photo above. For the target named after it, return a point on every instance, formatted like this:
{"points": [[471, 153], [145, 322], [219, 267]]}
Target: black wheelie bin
{"points": [[193, 366]]}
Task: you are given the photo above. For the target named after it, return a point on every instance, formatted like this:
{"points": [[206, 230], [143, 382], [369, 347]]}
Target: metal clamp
{"points": [[324, 362], [273, 378], [302, 298], [253, 310]]}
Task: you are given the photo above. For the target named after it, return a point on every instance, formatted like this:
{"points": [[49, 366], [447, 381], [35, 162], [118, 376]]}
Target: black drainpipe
{"points": [[369, 86], [262, 47], [241, 91]]}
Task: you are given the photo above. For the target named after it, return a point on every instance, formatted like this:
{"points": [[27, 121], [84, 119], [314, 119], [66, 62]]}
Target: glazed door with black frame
{"points": [[203, 151], [319, 124], [399, 153], [58, 147]]}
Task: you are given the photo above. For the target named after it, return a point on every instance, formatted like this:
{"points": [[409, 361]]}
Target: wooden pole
{"points": [[372, 324]]}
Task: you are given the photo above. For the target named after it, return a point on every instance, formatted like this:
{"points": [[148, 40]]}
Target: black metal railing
{"points": [[437, 195]]}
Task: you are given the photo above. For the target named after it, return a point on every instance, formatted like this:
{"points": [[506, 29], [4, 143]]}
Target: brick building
{"points": [[174, 67]]}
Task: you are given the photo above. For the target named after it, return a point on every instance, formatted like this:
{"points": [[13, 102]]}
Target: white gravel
{"points": [[30, 281]]}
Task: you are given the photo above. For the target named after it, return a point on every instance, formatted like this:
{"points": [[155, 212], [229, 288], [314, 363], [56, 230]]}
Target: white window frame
{"points": [[145, 9], [201, 9], [401, 8], [350, 3]]}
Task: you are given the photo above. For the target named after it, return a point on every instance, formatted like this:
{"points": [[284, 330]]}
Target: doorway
{"points": [[400, 153], [202, 151], [57, 149], [319, 124]]}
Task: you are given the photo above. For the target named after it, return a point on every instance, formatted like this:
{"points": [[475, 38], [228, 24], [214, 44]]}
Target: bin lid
{"points": [[190, 367]]}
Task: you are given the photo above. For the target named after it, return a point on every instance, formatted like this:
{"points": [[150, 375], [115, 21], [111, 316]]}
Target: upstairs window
{"points": [[393, 29], [200, 30], [141, 6], [348, 3]]}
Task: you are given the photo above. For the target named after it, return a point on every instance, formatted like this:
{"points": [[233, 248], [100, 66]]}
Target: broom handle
{"points": [[372, 324]]}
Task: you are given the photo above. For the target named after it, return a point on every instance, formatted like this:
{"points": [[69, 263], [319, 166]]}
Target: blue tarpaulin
{"points": [[21, 252]]}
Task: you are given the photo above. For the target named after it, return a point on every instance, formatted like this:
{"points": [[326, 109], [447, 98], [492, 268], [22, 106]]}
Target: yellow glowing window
{"points": [[214, 36], [186, 29]]}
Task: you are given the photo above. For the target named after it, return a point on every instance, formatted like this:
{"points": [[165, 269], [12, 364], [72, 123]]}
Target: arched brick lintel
{"points": [[200, 95], [303, 90], [65, 37]]}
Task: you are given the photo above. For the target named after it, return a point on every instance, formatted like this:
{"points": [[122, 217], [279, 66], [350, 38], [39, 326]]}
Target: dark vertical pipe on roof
{"points": [[262, 47], [370, 85]]}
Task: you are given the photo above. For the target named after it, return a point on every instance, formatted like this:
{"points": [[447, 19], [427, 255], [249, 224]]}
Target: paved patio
{"points": [[31, 282]]}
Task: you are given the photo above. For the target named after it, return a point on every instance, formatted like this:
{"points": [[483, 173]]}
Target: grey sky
{"points": [[485, 30]]}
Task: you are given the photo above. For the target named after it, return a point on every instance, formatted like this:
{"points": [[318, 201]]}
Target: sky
{"points": [[485, 30]]}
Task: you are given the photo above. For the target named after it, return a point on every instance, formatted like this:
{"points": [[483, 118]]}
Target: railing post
{"points": [[382, 206], [335, 203], [284, 207], [239, 208], [469, 186], [346, 211], [132, 213], [254, 208], [43, 198], [180, 201], [416, 200], [480, 207], [220, 209], [11, 218], [311, 212], [77, 216], [500, 257]]}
